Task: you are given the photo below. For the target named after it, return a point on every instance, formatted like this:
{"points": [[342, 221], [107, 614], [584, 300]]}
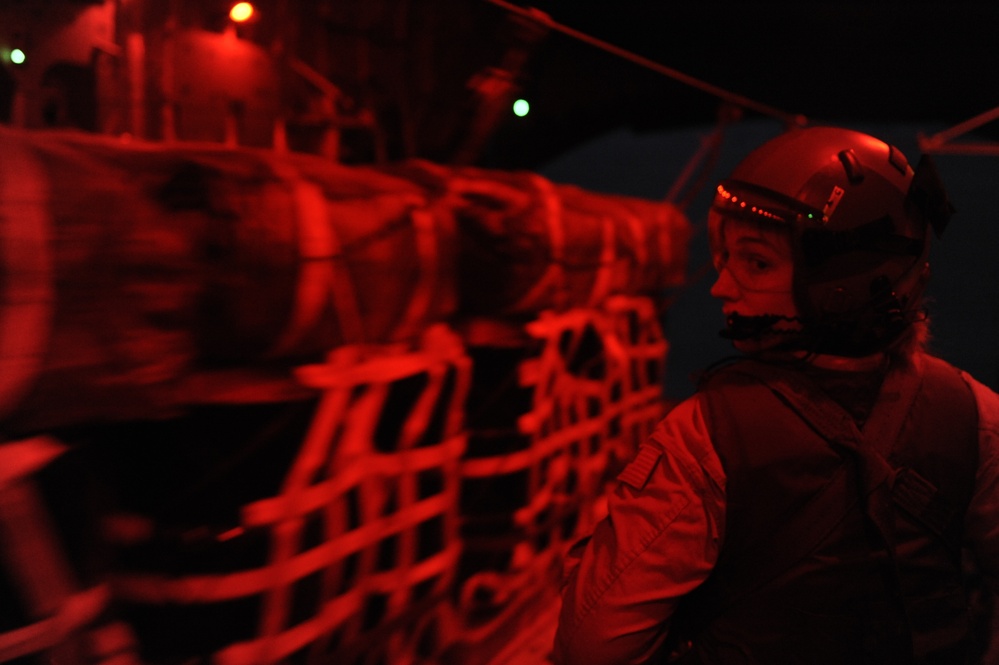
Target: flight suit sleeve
{"points": [[982, 522], [659, 541]]}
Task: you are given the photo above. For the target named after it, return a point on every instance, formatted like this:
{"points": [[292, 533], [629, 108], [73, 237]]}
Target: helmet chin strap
{"points": [[739, 327]]}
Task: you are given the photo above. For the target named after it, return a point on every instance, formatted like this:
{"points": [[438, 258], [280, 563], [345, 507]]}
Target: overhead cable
{"points": [[725, 95]]}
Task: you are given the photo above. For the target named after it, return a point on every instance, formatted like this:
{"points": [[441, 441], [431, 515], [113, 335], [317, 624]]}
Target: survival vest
{"points": [[842, 544]]}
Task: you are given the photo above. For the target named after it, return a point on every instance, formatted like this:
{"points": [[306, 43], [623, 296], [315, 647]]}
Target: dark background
{"points": [[845, 61]]}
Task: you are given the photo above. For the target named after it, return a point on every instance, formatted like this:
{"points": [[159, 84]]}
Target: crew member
{"points": [[826, 497]]}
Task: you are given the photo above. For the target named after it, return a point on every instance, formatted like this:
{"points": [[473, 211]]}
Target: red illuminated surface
{"points": [[365, 396]]}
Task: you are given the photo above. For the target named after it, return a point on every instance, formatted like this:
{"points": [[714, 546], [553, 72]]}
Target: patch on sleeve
{"points": [[637, 473]]}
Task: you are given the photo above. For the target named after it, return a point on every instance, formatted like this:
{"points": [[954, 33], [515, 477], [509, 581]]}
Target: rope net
{"points": [[358, 546], [591, 385], [415, 511]]}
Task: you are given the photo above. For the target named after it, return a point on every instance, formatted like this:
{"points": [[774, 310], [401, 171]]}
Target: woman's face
{"points": [[755, 271]]}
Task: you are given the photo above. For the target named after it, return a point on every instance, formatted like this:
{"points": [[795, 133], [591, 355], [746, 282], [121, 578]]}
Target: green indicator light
{"points": [[17, 56], [521, 108]]}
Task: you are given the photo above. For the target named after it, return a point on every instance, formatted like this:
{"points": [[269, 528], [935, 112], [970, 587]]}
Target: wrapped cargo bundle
{"points": [[526, 244], [133, 272], [143, 277]]}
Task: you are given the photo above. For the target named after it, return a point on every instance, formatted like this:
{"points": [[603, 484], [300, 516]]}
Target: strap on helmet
{"points": [[927, 196]]}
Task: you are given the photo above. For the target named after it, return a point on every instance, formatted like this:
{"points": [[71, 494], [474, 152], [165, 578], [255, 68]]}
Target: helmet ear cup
{"points": [[927, 197]]}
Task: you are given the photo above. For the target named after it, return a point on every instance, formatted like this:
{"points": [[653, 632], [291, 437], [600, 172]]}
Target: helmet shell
{"points": [[860, 253]]}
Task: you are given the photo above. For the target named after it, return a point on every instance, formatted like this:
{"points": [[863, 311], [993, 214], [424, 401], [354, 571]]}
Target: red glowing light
{"points": [[241, 11]]}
